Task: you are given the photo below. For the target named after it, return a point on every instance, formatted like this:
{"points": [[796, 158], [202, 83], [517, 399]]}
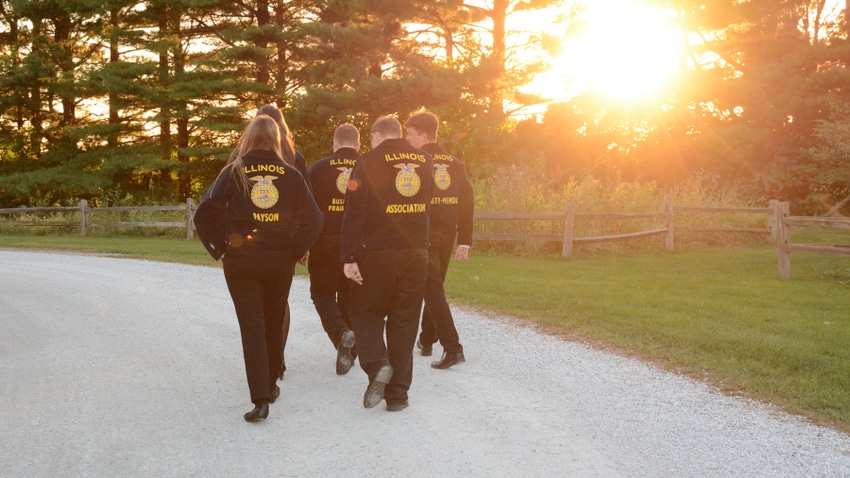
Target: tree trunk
{"points": [[838, 206], [450, 44], [263, 20], [182, 118], [16, 60], [281, 77], [62, 33], [164, 109], [499, 15], [114, 57], [36, 120]]}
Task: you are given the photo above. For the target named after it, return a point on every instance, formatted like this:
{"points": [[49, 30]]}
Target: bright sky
{"points": [[628, 51]]}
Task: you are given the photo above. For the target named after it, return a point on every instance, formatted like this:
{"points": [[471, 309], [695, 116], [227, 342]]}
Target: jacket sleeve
{"points": [[308, 220], [210, 220], [466, 210], [354, 216]]}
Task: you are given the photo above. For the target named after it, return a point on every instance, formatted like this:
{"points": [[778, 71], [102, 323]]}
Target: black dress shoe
{"points": [[260, 412], [375, 391], [397, 407], [425, 349], [448, 360], [275, 394], [344, 354]]}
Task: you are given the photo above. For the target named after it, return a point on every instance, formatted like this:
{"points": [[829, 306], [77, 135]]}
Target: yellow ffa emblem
{"points": [[407, 182], [264, 194], [442, 177], [342, 179]]}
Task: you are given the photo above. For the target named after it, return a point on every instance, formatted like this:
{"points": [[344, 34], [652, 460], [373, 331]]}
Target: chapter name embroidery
{"points": [[405, 208], [336, 205], [266, 217]]}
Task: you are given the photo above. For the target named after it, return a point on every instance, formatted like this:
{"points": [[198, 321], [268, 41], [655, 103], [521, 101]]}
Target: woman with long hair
{"points": [[260, 219], [293, 157], [287, 143]]}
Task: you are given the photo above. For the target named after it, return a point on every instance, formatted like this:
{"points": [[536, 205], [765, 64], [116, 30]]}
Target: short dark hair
{"points": [[425, 122], [387, 126]]}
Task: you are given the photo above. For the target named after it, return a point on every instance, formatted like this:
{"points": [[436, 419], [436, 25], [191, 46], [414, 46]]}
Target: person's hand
{"points": [[462, 254], [303, 260], [352, 271]]}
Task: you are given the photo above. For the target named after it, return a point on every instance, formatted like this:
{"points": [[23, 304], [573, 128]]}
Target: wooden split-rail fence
{"points": [[778, 223], [87, 218], [665, 217], [784, 247]]}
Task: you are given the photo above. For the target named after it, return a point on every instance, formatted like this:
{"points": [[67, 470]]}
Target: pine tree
{"points": [[48, 67], [362, 62]]}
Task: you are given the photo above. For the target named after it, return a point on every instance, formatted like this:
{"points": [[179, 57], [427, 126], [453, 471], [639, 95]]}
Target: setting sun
{"points": [[624, 50]]}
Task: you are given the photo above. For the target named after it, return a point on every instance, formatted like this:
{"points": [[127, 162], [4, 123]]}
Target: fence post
{"points": [[668, 207], [567, 249], [783, 238], [771, 217], [83, 206], [190, 218]]}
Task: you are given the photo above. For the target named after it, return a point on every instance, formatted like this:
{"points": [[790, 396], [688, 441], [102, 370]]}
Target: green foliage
{"points": [[831, 168], [362, 67], [150, 97]]}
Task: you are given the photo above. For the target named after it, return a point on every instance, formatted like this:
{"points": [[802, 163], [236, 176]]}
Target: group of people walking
{"points": [[380, 229]]}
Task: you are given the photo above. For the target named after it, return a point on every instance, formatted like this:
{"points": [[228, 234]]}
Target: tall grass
{"points": [[529, 189]]}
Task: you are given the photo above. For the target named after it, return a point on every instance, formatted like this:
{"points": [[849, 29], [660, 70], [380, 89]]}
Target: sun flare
{"points": [[625, 51]]}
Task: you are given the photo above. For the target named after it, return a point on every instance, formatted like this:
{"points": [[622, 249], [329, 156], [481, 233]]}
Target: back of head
{"points": [[346, 136], [424, 122], [287, 148], [262, 133], [272, 112], [387, 127]]}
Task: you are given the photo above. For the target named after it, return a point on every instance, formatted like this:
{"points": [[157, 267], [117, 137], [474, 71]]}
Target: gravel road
{"points": [[115, 367]]}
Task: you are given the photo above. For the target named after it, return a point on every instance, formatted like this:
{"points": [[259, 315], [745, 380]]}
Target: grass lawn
{"points": [[721, 315], [166, 249]]}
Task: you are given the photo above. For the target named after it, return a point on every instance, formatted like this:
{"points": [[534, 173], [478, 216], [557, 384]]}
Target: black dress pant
{"points": [[393, 287], [329, 288], [259, 283], [437, 320]]}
